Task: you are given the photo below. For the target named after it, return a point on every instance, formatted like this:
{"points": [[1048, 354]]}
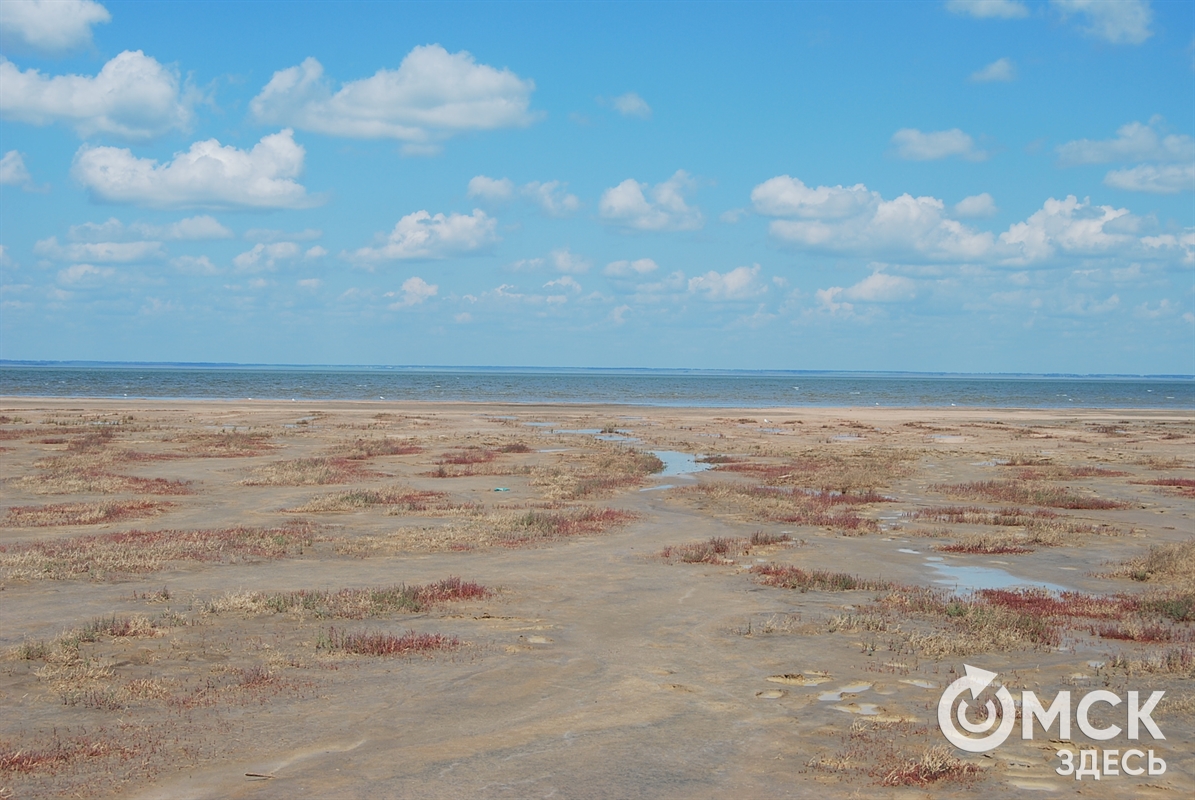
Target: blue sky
{"points": [[949, 186]]}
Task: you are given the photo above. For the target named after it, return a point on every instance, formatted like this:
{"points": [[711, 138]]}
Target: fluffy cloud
{"points": [[192, 265], [432, 95], [415, 290], [1119, 22], [566, 261], [207, 175], [100, 252], [268, 235], [486, 188], [740, 283], [133, 97], [988, 9], [1173, 154], [626, 269], [1069, 227], [52, 26], [265, 256], [565, 283], [1133, 142], [423, 236], [550, 196], [914, 145], [1159, 179], [84, 274], [192, 229], [627, 205], [13, 171], [1000, 70], [879, 287], [979, 205], [632, 105], [857, 220]]}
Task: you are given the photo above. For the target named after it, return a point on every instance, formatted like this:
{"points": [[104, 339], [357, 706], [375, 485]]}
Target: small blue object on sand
{"points": [[502, 489]]}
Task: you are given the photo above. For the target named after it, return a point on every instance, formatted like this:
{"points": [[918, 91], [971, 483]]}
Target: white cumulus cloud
{"points": [[1134, 142], [1156, 178], [1116, 21], [857, 220], [13, 171], [432, 95], [632, 105], [566, 261], [266, 256], [915, 145], [133, 97], [85, 274], [51, 26], [486, 188], [652, 208], [628, 269], [988, 9], [978, 205], [550, 196], [415, 290], [740, 283], [100, 252], [1000, 70], [207, 175], [195, 265], [1070, 227], [191, 229], [423, 236]]}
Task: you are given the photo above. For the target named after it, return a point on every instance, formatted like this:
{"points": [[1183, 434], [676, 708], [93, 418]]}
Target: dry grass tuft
{"points": [[844, 473], [1166, 563], [227, 444], [374, 643], [308, 472], [134, 552], [1033, 494], [791, 506], [597, 474], [371, 448], [817, 580], [718, 550], [398, 499], [352, 603], [82, 513], [896, 753]]}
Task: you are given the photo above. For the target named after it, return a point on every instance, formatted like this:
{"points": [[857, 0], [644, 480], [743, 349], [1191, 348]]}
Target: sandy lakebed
{"points": [[219, 599]]}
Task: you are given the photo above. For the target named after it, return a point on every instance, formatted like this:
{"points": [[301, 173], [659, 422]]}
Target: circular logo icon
{"points": [[975, 681]]}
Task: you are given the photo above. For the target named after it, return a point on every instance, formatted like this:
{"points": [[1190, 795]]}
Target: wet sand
{"points": [[596, 667]]}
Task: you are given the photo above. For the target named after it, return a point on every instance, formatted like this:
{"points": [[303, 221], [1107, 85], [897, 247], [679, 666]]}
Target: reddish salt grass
{"points": [[393, 499], [450, 590], [372, 643], [514, 447], [468, 455], [14, 758], [719, 550], [308, 472], [1035, 494], [542, 524], [1041, 603], [977, 515], [81, 513], [371, 448], [1185, 486], [1134, 632]]}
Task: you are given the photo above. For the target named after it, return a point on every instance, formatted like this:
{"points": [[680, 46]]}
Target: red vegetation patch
{"points": [[61, 754], [81, 513], [1041, 603], [985, 548], [450, 590], [718, 550], [370, 448], [375, 643], [540, 524], [1185, 486]]}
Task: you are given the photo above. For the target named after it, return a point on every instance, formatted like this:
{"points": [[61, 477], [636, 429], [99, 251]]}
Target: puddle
{"points": [[582, 431], [848, 437], [661, 486], [907, 550], [862, 709], [540, 424], [836, 696], [678, 463], [555, 450], [976, 578]]}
